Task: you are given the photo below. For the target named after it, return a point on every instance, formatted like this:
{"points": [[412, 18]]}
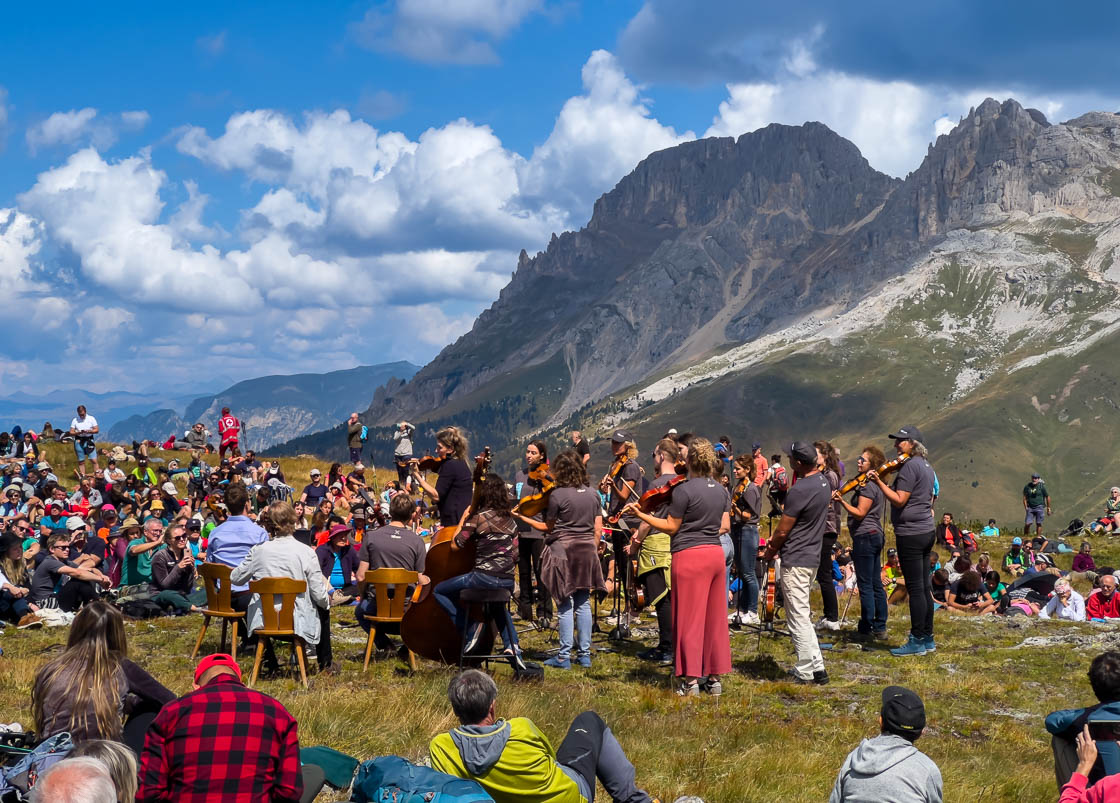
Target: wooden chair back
{"points": [[278, 621], [390, 609], [215, 576]]}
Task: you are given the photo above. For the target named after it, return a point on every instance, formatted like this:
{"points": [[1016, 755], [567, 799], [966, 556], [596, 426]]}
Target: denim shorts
{"points": [[84, 448], [1035, 515]]}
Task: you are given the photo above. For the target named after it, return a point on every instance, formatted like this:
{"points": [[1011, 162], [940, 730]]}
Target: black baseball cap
{"points": [[902, 711], [621, 436], [907, 433], [803, 452]]}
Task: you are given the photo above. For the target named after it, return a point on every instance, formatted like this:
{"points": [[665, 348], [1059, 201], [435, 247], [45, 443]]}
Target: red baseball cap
{"points": [[217, 659]]}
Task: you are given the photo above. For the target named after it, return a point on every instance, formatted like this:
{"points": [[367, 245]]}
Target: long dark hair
{"points": [[568, 470], [493, 495], [830, 455]]}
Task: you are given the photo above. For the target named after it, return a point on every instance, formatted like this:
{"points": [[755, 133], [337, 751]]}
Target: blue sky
{"points": [[295, 187]]}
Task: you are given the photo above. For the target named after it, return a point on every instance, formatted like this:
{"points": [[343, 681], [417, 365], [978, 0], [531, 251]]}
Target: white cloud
{"points": [[78, 125], [435, 31], [213, 44], [20, 241]]}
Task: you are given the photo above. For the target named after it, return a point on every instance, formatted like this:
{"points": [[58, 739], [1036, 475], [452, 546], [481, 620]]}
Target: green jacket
{"points": [[512, 760]]}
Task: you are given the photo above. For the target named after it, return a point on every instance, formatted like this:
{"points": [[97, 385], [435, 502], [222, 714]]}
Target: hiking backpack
{"points": [[365, 433], [779, 482], [392, 779]]}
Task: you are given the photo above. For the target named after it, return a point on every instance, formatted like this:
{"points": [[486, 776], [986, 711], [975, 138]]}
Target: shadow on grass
{"points": [[761, 667]]}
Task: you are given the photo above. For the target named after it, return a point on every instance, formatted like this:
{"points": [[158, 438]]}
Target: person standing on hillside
{"points": [[911, 499], [798, 541], [1036, 504], [761, 467], [402, 452], [581, 447], [229, 429], [83, 428], [354, 438]]}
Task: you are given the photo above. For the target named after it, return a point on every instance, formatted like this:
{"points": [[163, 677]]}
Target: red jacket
{"points": [[221, 742], [1104, 790], [1096, 607]]}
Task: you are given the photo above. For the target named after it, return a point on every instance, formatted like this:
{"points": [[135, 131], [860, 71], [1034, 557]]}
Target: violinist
{"points": [[623, 483], [655, 558], [698, 513], [746, 508], [454, 484], [573, 525], [828, 463], [865, 523], [532, 541]]}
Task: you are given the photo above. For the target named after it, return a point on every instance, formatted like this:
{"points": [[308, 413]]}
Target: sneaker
{"points": [[912, 646], [514, 658], [879, 635], [474, 632], [751, 618], [30, 620], [928, 644], [558, 663], [827, 624], [713, 687], [734, 619], [820, 677], [338, 598], [687, 689], [584, 661]]}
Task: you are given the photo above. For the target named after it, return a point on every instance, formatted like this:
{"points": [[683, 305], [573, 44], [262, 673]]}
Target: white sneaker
{"points": [[751, 618], [733, 619], [827, 624]]}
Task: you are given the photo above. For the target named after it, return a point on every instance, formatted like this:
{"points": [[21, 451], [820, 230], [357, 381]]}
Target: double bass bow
{"points": [[860, 479], [426, 628]]}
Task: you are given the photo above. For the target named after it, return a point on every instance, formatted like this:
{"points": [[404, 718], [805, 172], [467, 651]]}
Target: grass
{"points": [[765, 739]]}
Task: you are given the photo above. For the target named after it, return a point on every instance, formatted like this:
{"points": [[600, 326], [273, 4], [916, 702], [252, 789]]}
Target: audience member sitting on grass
{"points": [[947, 531], [284, 556], [939, 584], [1042, 564], [990, 530], [1065, 604], [995, 586], [15, 582], [89, 687], [515, 762], [1104, 602], [137, 567], [1084, 567], [969, 595], [75, 780], [118, 759], [57, 578], [983, 564], [888, 766], [224, 742], [959, 565], [173, 572], [1016, 560], [894, 584], [1065, 726]]}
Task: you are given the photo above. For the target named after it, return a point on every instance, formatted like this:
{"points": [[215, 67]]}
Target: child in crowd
{"points": [[990, 530]]}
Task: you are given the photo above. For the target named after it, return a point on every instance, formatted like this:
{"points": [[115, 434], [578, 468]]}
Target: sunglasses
{"points": [[180, 538]]}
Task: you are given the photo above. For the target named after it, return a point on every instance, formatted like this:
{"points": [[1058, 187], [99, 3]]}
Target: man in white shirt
{"points": [[83, 428]]}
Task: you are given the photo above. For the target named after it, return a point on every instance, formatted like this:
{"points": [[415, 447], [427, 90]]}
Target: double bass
{"points": [[426, 628]]}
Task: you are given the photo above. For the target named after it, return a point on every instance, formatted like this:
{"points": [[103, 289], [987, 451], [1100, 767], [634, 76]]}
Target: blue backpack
{"points": [[392, 779], [365, 433]]}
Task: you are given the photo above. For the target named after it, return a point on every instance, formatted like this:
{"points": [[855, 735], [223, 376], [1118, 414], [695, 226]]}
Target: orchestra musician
{"points": [[865, 523], [828, 463], [746, 512], [653, 550], [798, 541], [454, 485], [573, 525], [698, 513], [623, 482], [532, 541]]}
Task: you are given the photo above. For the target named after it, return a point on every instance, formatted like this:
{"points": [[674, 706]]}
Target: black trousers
{"points": [[528, 567], [591, 750], [829, 605], [76, 593], [323, 653], [620, 538], [913, 558], [654, 583], [402, 470]]}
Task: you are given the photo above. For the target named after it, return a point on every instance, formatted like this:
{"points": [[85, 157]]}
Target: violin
{"points": [[612, 472], [860, 480], [636, 591], [430, 462], [535, 504], [654, 497], [735, 510], [426, 628]]}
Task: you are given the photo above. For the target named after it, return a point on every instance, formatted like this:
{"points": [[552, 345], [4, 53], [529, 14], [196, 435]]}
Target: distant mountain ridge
{"points": [[776, 285], [274, 408]]}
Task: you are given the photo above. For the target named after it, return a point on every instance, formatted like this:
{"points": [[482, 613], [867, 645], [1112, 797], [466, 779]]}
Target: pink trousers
{"points": [[703, 642]]}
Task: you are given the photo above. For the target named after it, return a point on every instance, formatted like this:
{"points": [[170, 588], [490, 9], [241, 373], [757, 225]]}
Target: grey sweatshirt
{"points": [[887, 768]]}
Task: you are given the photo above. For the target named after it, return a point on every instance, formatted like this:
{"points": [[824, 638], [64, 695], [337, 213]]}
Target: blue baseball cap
{"points": [[1016, 541]]}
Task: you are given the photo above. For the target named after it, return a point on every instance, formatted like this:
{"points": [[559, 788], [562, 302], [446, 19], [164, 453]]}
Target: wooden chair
{"points": [[215, 576], [389, 609], [279, 622]]}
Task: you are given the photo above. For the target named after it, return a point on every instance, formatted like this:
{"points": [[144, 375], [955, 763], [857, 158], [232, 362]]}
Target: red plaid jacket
{"points": [[222, 742]]}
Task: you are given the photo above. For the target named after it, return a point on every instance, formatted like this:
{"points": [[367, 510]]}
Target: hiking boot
{"points": [[30, 620], [332, 668], [652, 654], [913, 646], [820, 677], [927, 642]]}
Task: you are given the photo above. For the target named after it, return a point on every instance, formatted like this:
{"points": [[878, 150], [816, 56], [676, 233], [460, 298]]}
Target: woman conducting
{"points": [[698, 513]]}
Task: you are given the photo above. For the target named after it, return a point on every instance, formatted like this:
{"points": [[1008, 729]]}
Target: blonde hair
{"points": [[283, 518], [453, 439], [118, 759], [702, 460]]}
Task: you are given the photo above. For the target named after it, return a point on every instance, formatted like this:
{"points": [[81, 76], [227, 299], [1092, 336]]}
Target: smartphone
{"points": [[1105, 730]]}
